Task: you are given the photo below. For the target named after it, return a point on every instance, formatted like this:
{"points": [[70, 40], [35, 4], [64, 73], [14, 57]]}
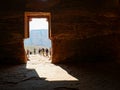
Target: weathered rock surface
{"points": [[86, 28]]}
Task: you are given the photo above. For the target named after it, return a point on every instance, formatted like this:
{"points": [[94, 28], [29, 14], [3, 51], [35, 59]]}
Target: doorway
{"points": [[37, 41]]}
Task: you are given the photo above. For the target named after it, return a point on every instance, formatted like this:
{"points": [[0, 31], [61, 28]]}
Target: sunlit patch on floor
{"points": [[45, 69]]}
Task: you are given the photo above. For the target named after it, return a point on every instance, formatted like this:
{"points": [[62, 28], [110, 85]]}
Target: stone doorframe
{"points": [[29, 15], [27, 18]]}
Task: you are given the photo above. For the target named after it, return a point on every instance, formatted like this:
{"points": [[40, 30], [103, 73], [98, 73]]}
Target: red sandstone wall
{"points": [[12, 31], [85, 31], [80, 29]]}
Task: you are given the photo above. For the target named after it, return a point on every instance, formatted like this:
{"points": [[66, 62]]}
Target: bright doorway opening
{"points": [[37, 41], [40, 62]]}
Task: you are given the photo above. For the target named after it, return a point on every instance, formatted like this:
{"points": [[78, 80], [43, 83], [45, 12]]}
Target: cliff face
{"points": [[86, 29]]}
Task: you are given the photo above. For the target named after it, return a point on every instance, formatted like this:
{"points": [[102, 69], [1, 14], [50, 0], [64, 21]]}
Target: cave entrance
{"points": [[37, 35]]}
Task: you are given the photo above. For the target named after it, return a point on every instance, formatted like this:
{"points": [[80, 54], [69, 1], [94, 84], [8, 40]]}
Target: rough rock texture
{"points": [[12, 31], [86, 28]]}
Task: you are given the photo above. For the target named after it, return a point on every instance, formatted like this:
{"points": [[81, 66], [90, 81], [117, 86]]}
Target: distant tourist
{"points": [[46, 51], [34, 51], [39, 51], [28, 52], [43, 51], [50, 52]]}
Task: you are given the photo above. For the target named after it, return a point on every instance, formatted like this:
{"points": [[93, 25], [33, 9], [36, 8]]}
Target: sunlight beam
{"points": [[45, 69]]}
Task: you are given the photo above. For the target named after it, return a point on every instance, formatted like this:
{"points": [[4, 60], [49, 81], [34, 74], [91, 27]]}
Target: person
{"points": [[28, 52], [50, 52], [34, 51], [46, 51], [43, 51], [39, 51]]}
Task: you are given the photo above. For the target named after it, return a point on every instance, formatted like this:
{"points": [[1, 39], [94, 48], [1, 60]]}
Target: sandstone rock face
{"points": [[12, 32], [80, 29]]}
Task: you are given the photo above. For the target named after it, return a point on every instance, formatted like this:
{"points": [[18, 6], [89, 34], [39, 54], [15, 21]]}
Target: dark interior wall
{"points": [[93, 49], [12, 31], [80, 29], [85, 30]]}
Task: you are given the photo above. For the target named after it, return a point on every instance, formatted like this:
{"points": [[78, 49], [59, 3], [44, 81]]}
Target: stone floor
{"points": [[40, 74]]}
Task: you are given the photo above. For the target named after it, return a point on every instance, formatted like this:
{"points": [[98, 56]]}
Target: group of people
{"points": [[41, 51], [44, 52]]}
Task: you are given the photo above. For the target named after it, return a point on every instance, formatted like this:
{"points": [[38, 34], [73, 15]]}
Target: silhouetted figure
{"points": [[50, 52], [34, 51], [39, 51], [46, 51], [28, 52], [43, 51]]}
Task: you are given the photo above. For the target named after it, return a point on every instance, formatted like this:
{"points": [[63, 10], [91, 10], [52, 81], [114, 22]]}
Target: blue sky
{"points": [[38, 23]]}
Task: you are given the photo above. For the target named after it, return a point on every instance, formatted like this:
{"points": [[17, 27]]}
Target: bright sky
{"points": [[38, 23]]}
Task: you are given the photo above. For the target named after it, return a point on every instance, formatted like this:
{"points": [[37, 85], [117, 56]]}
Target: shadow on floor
{"points": [[18, 77], [95, 75], [91, 76]]}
